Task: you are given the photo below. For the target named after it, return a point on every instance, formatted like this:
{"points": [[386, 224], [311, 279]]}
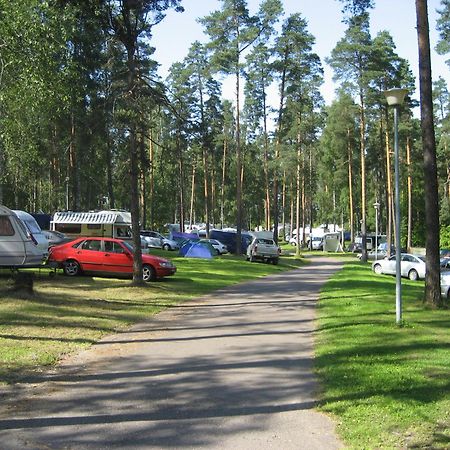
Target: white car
{"points": [[157, 240], [411, 266], [445, 284], [217, 245]]}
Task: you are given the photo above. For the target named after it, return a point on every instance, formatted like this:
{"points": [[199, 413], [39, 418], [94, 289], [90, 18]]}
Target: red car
{"points": [[107, 256]]}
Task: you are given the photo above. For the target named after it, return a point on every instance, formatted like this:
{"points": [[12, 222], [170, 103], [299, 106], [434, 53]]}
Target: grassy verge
{"points": [[67, 314], [389, 386]]}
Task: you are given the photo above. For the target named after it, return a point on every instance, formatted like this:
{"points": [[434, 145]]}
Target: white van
{"points": [[18, 248], [35, 230]]}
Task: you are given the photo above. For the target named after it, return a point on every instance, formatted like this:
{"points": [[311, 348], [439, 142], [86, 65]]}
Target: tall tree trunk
{"points": [[298, 193], [350, 186], [238, 165], [283, 204], [143, 181], [277, 151], [180, 183], [266, 171], [408, 162], [151, 180], [222, 187], [72, 172], [191, 209], [206, 189], [362, 137], [432, 278]]}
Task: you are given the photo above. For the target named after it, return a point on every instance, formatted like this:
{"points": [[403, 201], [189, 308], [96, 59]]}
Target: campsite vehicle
{"points": [[316, 243], [264, 250], [112, 223], [18, 247], [105, 256], [229, 238], [217, 245], [34, 228], [411, 266], [157, 240], [55, 237]]}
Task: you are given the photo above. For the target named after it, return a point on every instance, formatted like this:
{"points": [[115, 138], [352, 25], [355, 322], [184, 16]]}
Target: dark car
{"points": [[105, 256]]}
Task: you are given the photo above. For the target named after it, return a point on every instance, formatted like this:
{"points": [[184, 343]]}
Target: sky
{"points": [[175, 34]]}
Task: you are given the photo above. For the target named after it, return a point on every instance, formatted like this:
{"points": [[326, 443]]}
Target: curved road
{"points": [[232, 370]]}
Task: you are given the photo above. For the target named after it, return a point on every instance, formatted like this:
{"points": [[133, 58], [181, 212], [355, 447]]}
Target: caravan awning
{"points": [[85, 217]]}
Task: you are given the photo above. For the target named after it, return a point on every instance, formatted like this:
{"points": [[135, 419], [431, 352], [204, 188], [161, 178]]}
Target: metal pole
{"points": [[398, 279]]}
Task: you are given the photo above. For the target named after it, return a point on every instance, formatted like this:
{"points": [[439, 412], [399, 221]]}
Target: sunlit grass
{"points": [[67, 314], [388, 385]]}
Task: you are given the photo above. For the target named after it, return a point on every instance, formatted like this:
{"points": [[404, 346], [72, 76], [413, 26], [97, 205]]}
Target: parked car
{"points": [[262, 249], [217, 245], [105, 255], [157, 240], [445, 284], [316, 243], [381, 252], [411, 266], [18, 247], [55, 237], [34, 229]]}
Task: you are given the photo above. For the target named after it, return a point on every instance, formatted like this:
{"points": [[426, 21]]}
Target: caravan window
{"points": [[94, 226], [68, 228], [6, 228]]}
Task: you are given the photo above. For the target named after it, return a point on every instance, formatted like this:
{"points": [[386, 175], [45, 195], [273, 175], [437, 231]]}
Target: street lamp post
{"points": [[376, 205], [395, 97]]}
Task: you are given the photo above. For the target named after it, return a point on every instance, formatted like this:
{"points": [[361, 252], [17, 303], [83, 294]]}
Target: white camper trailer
{"points": [[18, 247], [113, 223]]}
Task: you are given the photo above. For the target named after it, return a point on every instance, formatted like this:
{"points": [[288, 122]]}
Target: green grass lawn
{"points": [[388, 386], [67, 314]]}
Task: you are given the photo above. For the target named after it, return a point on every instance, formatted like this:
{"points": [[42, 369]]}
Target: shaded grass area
{"points": [[389, 386], [66, 314]]}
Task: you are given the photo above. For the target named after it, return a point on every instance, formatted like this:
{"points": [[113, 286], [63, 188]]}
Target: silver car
{"points": [[217, 245], [157, 240], [411, 266], [445, 284]]}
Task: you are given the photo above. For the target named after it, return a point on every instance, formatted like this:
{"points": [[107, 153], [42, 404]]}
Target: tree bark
{"points": [[432, 278]]}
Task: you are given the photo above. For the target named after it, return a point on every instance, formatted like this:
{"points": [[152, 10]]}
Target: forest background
{"points": [[77, 132]]}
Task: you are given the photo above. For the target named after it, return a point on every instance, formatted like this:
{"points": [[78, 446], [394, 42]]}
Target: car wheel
{"points": [[71, 268], [275, 261], [448, 295], [413, 275], [377, 269], [166, 247], [148, 273]]}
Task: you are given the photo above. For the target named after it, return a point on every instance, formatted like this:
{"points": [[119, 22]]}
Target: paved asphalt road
{"points": [[228, 371]]}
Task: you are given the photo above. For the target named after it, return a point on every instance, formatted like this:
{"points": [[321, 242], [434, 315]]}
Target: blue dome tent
{"points": [[195, 249]]}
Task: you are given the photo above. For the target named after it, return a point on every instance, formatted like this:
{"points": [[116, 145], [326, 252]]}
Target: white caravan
{"points": [[18, 247]]}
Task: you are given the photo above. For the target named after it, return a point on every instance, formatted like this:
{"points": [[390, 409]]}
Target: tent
{"points": [[195, 249]]}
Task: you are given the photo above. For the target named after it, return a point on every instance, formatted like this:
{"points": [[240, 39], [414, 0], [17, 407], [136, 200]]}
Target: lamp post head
{"points": [[395, 97], [376, 205]]}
